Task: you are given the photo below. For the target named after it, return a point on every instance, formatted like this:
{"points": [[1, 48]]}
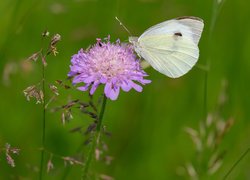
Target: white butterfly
{"points": [[171, 47]]}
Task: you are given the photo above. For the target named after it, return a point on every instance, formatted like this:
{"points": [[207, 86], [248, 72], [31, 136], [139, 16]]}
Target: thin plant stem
{"points": [[205, 94], [95, 140], [43, 124], [211, 28], [44, 118], [236, 163], [215, 13]]}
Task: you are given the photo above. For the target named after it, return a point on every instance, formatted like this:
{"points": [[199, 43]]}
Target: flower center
{"points": [[110, 67]]}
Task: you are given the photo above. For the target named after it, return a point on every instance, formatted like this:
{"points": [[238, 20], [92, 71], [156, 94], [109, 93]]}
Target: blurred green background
{"points": [[148, 140]]}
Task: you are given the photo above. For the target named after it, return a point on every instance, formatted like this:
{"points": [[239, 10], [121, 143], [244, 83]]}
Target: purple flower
{"points": [[112, 64]]}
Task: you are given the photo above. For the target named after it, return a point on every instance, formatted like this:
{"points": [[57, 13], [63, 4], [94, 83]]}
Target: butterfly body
{"points": [[171, 47]]}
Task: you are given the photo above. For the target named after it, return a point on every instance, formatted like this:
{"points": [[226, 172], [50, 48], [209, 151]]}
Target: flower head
{"points": [[112, 64]]}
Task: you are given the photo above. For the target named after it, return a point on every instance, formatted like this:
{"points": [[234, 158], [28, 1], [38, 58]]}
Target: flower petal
{"points": [[84, 88], [107, 89], [114, 93], [71, 73], [77, 79], [126, 86], [94, 87], [145, 81], [137, 87], [103, 80], [89, 79]]}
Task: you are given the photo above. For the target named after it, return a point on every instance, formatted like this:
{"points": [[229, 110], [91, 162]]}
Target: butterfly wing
{"points": [[171, 47]]}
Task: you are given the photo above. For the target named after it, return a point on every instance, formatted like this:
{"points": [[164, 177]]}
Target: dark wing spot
{"points": [[177, 34]]}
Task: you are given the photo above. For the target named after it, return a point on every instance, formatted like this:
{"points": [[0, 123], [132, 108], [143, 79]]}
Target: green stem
{"points": [[205, 96], [95, 139], [214, 17], [43, 123], [215, 13], [236, 163]]}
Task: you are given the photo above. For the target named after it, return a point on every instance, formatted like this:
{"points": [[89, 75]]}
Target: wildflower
{"points": [[112, 64]]}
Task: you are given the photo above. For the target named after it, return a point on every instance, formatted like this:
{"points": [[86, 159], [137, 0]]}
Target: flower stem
{"points": [[43, 123], [95, 139], [236, 163]]}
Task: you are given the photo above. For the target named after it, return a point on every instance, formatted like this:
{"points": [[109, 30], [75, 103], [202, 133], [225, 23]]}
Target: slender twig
{"points": [[95, 140], [43, 125], [236, 163], [44, 117]]}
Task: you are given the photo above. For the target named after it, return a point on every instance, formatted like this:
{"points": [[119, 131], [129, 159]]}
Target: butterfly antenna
{"points": [[123, 25]]}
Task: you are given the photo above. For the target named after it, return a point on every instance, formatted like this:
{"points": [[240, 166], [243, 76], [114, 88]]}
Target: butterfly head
{"points": [[133, 40]]}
